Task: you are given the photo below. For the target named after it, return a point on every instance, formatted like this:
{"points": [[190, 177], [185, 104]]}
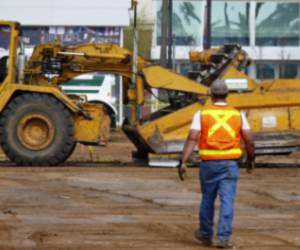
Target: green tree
{"points": [[188, 10], [231, 28], [285, 18]]}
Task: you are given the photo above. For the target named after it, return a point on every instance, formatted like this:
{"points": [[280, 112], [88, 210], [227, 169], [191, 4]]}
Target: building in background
{"points": [[71, 22], [145, 24], [268, 30], [145, 8]]}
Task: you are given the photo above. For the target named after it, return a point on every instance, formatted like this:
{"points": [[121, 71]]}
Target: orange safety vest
{"points": [[220, 133]]}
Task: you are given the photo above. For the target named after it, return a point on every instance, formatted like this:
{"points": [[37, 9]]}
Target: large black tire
{"points": [[70, 152], [36, 130]]}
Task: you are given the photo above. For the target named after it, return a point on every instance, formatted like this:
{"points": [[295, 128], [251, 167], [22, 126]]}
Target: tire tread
{"points": [[68, 138]]}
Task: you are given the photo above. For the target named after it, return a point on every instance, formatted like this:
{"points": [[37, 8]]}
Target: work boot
{"points": [[205, 242], [225, 244]]}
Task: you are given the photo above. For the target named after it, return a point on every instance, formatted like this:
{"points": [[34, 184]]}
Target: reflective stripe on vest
{"points": [[221, 121], [232, 151]]}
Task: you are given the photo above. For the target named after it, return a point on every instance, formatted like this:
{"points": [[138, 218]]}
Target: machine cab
{"points": [[9, 42], [4, 50]]}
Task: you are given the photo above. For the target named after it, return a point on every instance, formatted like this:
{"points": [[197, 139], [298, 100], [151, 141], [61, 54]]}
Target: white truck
{"points": [[97, 88]]}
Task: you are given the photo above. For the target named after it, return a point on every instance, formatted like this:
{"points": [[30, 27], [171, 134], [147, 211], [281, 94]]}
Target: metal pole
{"points": [[174, 52], [207, 35], [133, 107], [121, 107], [170, 36], [164, 33]]}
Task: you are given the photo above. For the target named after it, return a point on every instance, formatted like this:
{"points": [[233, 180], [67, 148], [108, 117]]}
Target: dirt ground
{"points": [[76, 207]]}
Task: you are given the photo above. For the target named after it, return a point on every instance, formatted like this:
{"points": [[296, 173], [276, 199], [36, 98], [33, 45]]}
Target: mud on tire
{"points": [[36, 129]]}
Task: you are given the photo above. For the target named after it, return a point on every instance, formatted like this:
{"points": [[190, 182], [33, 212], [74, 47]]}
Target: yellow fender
{"points": [[9, 90]]}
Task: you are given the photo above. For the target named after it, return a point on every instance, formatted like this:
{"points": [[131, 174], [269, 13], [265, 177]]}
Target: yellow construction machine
{"points": [[40, 125]]}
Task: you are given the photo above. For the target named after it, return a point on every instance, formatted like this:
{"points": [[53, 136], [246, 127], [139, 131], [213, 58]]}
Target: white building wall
{"points": [[256, 53], [66, 12]]}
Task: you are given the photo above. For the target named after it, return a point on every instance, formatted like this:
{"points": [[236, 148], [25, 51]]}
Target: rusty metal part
{"points": [[35, 131]]}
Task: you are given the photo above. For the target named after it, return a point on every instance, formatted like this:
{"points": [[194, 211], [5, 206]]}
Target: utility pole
{"points": [[164, 33], [207, 33], [170, 36]]}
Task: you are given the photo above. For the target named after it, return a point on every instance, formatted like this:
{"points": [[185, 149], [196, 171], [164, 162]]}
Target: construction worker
{"points": [[218, 130]]}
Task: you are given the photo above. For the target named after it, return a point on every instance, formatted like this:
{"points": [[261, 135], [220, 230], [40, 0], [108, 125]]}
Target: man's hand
{"points": [[182, 170], [250, 165]]}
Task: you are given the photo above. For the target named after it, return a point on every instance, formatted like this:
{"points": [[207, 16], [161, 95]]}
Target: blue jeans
{"points": [[217, 177]]}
